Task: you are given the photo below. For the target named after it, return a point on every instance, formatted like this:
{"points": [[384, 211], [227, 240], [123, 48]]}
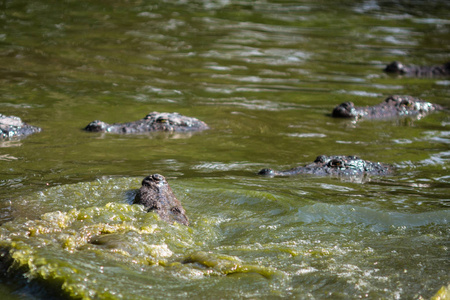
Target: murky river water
{"points": [[264, 75]]}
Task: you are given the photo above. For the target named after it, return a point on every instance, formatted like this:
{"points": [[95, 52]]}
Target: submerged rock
{"points": [[393, 106], [154, 121], [335, 165], [11, 126], [397, 67], [156, 195]]}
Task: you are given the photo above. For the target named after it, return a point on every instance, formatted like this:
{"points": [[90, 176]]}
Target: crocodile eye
{"points": [[336, 163], [157, 177], [151, 180], [404, 102], [162, 120]]}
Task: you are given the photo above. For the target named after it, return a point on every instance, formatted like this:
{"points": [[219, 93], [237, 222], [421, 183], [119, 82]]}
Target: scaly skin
{"points": [[154, 121], [335, 165], [393, 106], [12, 127], [397, 67], [156, 195]]}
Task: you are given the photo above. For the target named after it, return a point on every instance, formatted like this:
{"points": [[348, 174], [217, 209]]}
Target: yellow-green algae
{"points": [[74, 248], [90, 241], [442, 294]]}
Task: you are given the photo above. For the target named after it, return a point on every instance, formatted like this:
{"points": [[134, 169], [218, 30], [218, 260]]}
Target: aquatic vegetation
{"points": [[256, 242], [80, 248], [443, 293]]}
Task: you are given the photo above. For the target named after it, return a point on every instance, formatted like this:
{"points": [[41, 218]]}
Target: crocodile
{"points": [[397, 67], [335, 165], [156, 195], [14, 127], [393, 106], [154, 121]]}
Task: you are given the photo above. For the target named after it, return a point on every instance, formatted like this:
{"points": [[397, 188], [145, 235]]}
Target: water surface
{"points": [[264, 75]]}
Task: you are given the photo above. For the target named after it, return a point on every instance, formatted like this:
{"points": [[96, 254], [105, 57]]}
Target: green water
{"points": [[264, 75]]}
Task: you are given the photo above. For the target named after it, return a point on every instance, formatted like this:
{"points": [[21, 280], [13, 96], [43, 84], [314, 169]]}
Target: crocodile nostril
{"points": [[320, 159], [266, 172]]}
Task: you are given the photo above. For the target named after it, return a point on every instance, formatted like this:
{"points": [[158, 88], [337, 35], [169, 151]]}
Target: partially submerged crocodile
{"points": [[154, 121], [397, 67], [11, 127], [393, 106], [335, 165], [156, 195]]}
